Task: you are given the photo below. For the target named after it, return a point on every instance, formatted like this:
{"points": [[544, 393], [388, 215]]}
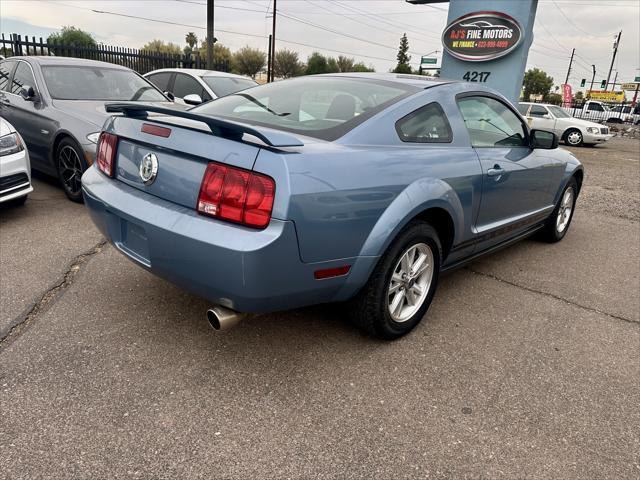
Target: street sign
{"points": [[428, 61], [630, 86], [637, 79]]}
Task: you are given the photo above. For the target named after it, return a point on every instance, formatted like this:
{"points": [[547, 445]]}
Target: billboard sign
{"points": [[604, 96], [630, 86], [482, 36]]}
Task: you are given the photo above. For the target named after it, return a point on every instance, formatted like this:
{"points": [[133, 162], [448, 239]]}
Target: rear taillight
{"points": [[236, 195], [107, 146]]}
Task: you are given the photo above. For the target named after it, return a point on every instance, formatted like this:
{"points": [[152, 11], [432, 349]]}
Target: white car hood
{"points": [[579, 122]]}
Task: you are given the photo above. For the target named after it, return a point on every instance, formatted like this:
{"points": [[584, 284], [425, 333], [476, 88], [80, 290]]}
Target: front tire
{"points": [[402, 285], [71, 165], [573, 137], [558, 223]]}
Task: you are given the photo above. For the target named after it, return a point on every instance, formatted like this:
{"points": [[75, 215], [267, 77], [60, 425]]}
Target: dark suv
{"points": [[57, 105]]}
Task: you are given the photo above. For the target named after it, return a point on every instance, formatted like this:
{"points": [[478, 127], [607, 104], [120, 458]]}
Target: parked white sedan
{"points": [[15, 169], [573, 131], [193, 87]]}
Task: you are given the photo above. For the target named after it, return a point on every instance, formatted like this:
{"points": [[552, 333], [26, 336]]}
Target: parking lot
{"points": [[528, 364]]}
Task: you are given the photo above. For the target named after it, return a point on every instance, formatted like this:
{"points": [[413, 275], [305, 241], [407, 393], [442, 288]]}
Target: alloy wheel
{"points": [[70, 169], [564, 212], [410, 282]]}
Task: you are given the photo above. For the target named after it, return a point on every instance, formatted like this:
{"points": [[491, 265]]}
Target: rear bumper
{"points": [[233, 266]]}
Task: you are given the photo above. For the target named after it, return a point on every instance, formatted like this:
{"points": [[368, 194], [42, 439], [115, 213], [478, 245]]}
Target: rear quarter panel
{"points": [[351, 197]]}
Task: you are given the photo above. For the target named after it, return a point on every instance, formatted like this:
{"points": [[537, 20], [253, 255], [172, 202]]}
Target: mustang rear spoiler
{"points": [[218, 126]]}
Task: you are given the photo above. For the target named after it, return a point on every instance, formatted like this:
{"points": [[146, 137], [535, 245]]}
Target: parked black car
{"points": [[57, 105]]}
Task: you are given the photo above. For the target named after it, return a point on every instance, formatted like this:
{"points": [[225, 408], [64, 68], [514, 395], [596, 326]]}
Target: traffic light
{"points": [[583, 82], [603, 84]]}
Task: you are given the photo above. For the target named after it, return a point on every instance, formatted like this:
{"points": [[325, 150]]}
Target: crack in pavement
{"points": [[557, 297], [50, 295]]}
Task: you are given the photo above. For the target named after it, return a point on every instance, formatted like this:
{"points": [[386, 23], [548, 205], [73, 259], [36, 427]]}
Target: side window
{"points": [[596, 107], [160, 80], [538, 111], [491, 123], [205, 96], [428, 124], [523, 108], [22, 77], [5, 72], [185, 85]]}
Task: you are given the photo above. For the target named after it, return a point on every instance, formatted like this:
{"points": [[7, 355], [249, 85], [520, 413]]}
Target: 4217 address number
{"points": [[476, 76]]}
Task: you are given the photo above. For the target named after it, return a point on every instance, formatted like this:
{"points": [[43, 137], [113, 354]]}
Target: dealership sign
{"points": [[482, 36]]}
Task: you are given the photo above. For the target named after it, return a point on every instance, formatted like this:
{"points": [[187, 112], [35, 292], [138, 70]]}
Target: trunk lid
{"points": [[181, 157]]}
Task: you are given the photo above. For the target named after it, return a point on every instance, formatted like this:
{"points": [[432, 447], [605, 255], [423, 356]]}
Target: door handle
{"points": [[496, 171]]}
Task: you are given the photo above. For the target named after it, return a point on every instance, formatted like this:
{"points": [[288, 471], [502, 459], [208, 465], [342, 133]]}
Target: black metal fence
{"points": [[142, 61]]}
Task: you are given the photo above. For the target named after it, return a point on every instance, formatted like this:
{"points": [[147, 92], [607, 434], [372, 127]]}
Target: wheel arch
{"points": [[60, 135]]}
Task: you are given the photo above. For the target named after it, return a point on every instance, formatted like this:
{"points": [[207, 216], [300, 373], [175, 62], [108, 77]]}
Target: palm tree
{"points": [[191, 39]]}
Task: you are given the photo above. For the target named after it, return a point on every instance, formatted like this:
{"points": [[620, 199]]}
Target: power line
{"points": [[575, 26], [135, 17]]}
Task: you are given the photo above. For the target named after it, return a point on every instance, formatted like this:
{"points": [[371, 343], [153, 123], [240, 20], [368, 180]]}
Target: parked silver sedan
{"points": [[193, 87], [15, 169]]}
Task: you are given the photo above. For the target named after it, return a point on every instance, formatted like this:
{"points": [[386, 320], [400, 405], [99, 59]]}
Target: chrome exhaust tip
{"points": [[221, 318]]}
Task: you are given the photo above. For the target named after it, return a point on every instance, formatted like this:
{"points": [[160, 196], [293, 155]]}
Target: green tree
{"points": [[192, 41], [316, 63], [221, 54], [361, 67], [403, 56], [332, 65], [72, 36], [536, 82], [346, 64], [287, 64], [249, 61], [162, 47], [579, 95]]}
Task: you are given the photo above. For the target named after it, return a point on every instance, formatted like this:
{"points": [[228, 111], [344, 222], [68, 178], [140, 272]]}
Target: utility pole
{"points": [[273, 40], [613, 58], [592, 78], [210, 39], [615, 81], [573, 52], [269, 62]]}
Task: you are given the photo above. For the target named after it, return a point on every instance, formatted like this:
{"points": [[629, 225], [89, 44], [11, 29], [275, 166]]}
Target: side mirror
{"points": [[192, 99], [28, 93], [543, 139], [170, 96]]}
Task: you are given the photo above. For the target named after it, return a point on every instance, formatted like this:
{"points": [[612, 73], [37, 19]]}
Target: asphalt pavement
{"points": [[526, 366]]}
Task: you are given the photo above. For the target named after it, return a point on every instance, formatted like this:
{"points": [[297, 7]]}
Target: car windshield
{"points": [[98, 83], [321, 107], [558, 112], [223, 86]]}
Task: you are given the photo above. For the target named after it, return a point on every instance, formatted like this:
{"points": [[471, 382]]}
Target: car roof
{"points": [[541, 104], [420, 81], [197, 72], [68, 61]]}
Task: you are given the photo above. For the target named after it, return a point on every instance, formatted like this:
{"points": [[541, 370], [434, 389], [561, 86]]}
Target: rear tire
{"points": [[402, 286], [557, 225], [70, 164]]}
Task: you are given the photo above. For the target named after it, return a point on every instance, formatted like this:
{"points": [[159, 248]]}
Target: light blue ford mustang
{"points": [[360, 188]]}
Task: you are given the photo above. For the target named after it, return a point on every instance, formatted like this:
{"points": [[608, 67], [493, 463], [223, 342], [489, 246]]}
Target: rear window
{"points": [[321, 107], [98, 83], [223, 86]]}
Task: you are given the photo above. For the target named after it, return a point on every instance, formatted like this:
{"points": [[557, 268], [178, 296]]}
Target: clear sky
{"points": [[368, 30]]}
